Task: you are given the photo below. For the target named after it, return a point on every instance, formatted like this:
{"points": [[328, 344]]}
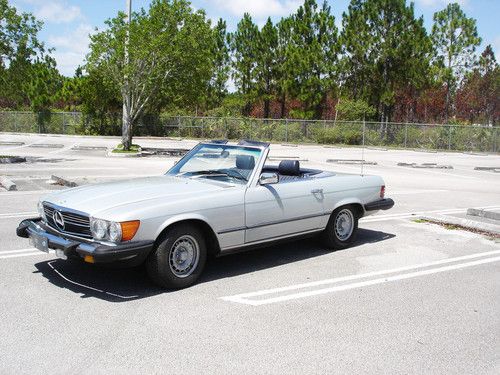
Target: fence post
{"points": [[494, 139], [406, 134], [449, 138], [286, 130]]}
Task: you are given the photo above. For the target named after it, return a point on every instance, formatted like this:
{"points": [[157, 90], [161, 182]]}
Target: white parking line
{"points": [[416, 191], [405, 215], [9, 193], [2, 252], [245, 298], [37, 168], [18, 216], [22, 255]]}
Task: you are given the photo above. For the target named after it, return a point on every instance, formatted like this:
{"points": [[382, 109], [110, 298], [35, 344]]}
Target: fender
{"points": [[183, 217], [350, 200]]}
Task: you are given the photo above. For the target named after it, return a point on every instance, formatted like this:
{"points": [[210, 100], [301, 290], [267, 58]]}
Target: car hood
{"points": [[92, 199]]}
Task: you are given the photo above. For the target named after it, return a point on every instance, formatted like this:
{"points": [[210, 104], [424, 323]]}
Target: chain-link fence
{"points": [[376, 134]]}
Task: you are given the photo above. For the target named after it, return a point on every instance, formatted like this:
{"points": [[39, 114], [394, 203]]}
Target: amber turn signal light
{"points": [[129, 229]]}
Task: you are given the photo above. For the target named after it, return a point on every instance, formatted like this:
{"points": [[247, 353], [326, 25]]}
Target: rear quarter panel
{"points": [[340, 190]]}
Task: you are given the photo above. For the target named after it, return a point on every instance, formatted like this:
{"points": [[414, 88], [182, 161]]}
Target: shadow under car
{"points": [[125, 284]]}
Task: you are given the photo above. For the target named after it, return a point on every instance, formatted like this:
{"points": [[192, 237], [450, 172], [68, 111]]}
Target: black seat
{"points": [[245, 162], [289, 168]]}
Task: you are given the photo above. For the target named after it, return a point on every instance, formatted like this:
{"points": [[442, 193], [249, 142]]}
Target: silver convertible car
{"points": [[218, 198]]}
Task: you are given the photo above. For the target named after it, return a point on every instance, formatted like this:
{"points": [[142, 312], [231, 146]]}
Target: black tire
{"points": [[165, 269], [331, 238]]}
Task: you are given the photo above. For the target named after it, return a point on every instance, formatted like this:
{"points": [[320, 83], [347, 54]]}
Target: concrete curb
{"points": [[123, 155], [483, 213], [425, 165], [466, 223], [489, 169], [11, 143], [159, 151], [7, 184], [351, 161], [46, 145], [62, 181], [12, 160], [88, 148]]}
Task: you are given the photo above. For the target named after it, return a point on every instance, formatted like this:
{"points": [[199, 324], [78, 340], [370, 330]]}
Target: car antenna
{"points": [[363, 147]]}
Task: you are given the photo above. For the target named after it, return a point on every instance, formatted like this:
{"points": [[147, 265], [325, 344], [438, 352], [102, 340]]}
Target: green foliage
{"points": [[354, 110], [340, 134], [243, 46], [265, 70], [168, 58], [221, 60], [312, 55], [385, 48], [232, 106], [455, 38], [19, 48]]}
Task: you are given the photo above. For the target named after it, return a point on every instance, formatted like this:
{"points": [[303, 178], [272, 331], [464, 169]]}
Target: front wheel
{"points": [[342, 228], [179, 257]]}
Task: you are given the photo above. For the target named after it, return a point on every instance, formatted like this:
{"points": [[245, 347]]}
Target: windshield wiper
{"points": [[218, 173]]}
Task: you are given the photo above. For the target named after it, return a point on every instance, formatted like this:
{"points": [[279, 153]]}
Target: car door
{"points": [[283, 209]]}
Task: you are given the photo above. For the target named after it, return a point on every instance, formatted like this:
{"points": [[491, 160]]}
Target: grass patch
{"points": [[6, 156], [420, 221], [449, 226], [134, 149]]}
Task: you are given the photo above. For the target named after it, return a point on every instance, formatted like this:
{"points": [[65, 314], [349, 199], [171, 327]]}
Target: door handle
{"points": [[317, 191]]}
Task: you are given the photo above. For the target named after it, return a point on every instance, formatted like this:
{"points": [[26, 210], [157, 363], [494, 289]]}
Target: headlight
{"points": [[41, 211], [115, 231], [98, 228]]}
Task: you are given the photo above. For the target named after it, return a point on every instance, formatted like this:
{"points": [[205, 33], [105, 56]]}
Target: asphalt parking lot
{"points": [[409, 297]]}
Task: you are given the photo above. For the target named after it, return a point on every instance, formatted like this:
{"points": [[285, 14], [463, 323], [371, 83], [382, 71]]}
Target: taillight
{"points": [[382, 191]]}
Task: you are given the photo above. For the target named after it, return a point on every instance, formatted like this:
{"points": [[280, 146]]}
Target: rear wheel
{"points": [[342, 228], [179, 257]]}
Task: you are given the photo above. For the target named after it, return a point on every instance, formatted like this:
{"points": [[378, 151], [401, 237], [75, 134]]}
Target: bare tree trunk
{"points": [[283, 106], [266, 108], [126, 130], [126, 115]]}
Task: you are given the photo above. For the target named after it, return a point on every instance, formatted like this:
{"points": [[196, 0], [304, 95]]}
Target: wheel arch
{"points": [[351, 202], [200, 222]]}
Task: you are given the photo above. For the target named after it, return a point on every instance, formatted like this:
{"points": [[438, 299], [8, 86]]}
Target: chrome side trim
{"points": [[270, 239], [229, 230]]}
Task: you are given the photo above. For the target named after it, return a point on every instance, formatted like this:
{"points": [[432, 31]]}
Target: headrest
{"points": [[245, 162], [289, 168]]}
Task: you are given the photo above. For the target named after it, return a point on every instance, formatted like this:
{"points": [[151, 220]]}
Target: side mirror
{"points": [[268, 178]]}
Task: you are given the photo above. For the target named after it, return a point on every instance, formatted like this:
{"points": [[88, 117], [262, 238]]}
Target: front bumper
{"points": [[135, 252], [381, 204]]}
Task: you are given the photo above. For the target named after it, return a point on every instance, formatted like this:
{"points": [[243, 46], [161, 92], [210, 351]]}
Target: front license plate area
{"points": [[41, 243]]}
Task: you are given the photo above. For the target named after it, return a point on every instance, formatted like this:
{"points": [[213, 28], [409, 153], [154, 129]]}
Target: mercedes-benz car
{"points": [[218, 198]]}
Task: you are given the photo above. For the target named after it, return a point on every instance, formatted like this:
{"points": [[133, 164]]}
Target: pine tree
{"points": [[221, 62], [265, 70], [455, 38], [385, 48], [313, 56], [243, 44]]}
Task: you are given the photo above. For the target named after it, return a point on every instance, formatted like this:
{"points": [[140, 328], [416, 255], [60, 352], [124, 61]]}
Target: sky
{"points": [[67, 23]]}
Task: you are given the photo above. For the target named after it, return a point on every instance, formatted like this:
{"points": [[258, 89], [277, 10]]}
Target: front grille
{"points": [[76, 224]]}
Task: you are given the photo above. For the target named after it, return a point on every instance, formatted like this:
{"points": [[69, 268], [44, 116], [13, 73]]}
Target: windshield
{"points": [[226, 163]]}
